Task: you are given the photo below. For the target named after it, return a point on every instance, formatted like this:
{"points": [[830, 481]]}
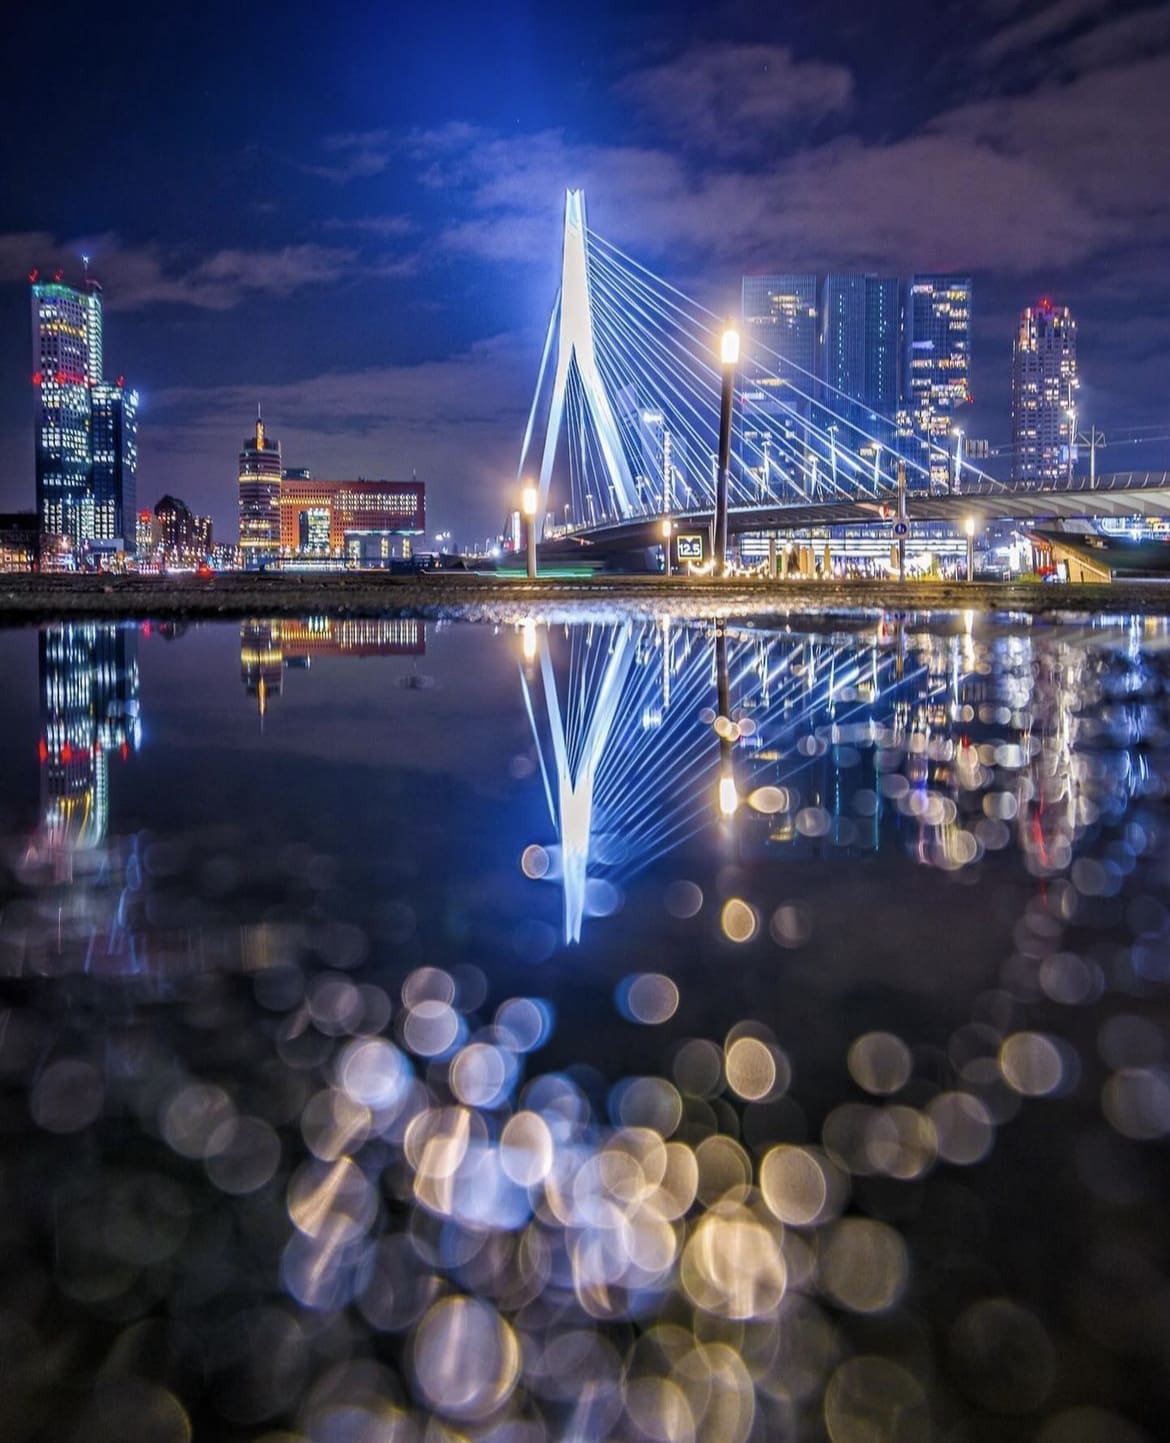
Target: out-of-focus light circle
{"points": [[466, 1359], [374, 1073], [739, 920], [683, 899], [1002, 1356], [698, 1068], [768, 800], [872, 1400], [430, 1028], [1031, 1064], [880, 1063], [750, 1068], [192, 1115], [242, 1155], [732, 1266], [794, 1185], [963, 1126], [534, 862], [526, 1149], [478, 1074], [526, 1022], [428, 984], [67, 1096], [1136, 1102], [863, 1265], [647, 997], [791, 924]]}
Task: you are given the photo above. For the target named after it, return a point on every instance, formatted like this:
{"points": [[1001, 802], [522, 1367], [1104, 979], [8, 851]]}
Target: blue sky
{"points": [[351, 214]]}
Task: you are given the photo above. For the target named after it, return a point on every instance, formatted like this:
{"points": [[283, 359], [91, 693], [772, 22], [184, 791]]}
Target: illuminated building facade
{"points": [[18, 540], [1044, 382], [66, 326], [357, 520], [936, 374], [179, 533], [114, 445], [780, 313], [259, 497], [86, 427]]}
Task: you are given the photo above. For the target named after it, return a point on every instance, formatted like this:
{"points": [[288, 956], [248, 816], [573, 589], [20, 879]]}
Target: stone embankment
{"points": [[26, 598]]}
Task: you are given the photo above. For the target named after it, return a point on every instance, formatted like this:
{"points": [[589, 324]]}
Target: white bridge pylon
{"points": [[572, 322]]}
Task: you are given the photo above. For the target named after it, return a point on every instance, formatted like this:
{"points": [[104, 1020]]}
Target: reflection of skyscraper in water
{"points": [[268, 647], [89, 709]]}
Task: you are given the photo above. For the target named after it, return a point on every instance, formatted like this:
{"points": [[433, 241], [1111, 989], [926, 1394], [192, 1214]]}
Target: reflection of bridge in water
{"points": [[624, 422], [648, 732]]}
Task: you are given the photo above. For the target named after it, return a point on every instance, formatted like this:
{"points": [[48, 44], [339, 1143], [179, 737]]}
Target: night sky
{"points": [[350, 213]]}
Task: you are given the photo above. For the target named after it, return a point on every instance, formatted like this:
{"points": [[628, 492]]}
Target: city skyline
{"points": [[376, 272]]}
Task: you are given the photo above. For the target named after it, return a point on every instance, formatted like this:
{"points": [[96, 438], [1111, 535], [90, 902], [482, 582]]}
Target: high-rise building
{"points": [[179, 533], [63, 324], [114, 447], [1044, 382], [936, 376], [780, 314], [86, 427], [259, 478], [883, 329]]}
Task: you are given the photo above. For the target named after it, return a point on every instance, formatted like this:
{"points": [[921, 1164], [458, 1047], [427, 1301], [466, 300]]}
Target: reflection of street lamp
{"points": [[969, 528], [666, 530], [528, 501], [729, 355], [528, 639]]}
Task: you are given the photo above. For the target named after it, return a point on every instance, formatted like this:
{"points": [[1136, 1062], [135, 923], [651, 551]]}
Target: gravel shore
{"points": [[29, 599]]}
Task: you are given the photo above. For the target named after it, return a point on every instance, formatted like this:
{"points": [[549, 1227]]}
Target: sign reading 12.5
{"points": [[690, 548]]}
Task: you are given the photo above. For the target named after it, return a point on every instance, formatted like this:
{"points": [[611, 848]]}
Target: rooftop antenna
{"points": [[85, 266]]}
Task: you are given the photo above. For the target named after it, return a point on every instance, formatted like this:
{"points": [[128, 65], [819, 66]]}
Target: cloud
{"points": [[735, 99], [135, 277], [355, 155], [1019, 184], [1039, 28], [390, 227]]}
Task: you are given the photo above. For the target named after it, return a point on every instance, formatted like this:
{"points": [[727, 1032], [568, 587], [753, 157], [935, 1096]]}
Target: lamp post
{"points": [[958, 435], [969, 528], [528, 499], [729, 355], [667, 528]]}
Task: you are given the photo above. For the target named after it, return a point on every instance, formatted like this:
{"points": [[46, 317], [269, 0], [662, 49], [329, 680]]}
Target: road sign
{"points": [[690, 547], [901, 528]]}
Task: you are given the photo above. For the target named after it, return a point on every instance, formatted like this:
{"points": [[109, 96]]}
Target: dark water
{"points": [[596, 1029]]}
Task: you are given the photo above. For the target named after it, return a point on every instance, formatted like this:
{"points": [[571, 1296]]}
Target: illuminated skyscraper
{"points": [[86, 427], [114, 446], [936, 377], [1044, 382], [780, 312], [66, 327], [259, 476]]}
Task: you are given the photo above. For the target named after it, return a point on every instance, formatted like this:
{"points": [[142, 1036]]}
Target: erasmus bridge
{"points": [[622, 431]]}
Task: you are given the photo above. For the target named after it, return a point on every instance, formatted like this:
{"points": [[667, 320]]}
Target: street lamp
{"points": [[969, 528], [667, 528], [729, 355], [528, 500]]}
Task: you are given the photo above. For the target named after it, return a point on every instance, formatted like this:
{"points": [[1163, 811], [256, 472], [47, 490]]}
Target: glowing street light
{"points": [[528, 502], [667, 528], [729, 355]]}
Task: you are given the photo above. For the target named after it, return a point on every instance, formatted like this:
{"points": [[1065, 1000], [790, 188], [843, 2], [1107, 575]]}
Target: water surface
{"points": [[597, 1027]]}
